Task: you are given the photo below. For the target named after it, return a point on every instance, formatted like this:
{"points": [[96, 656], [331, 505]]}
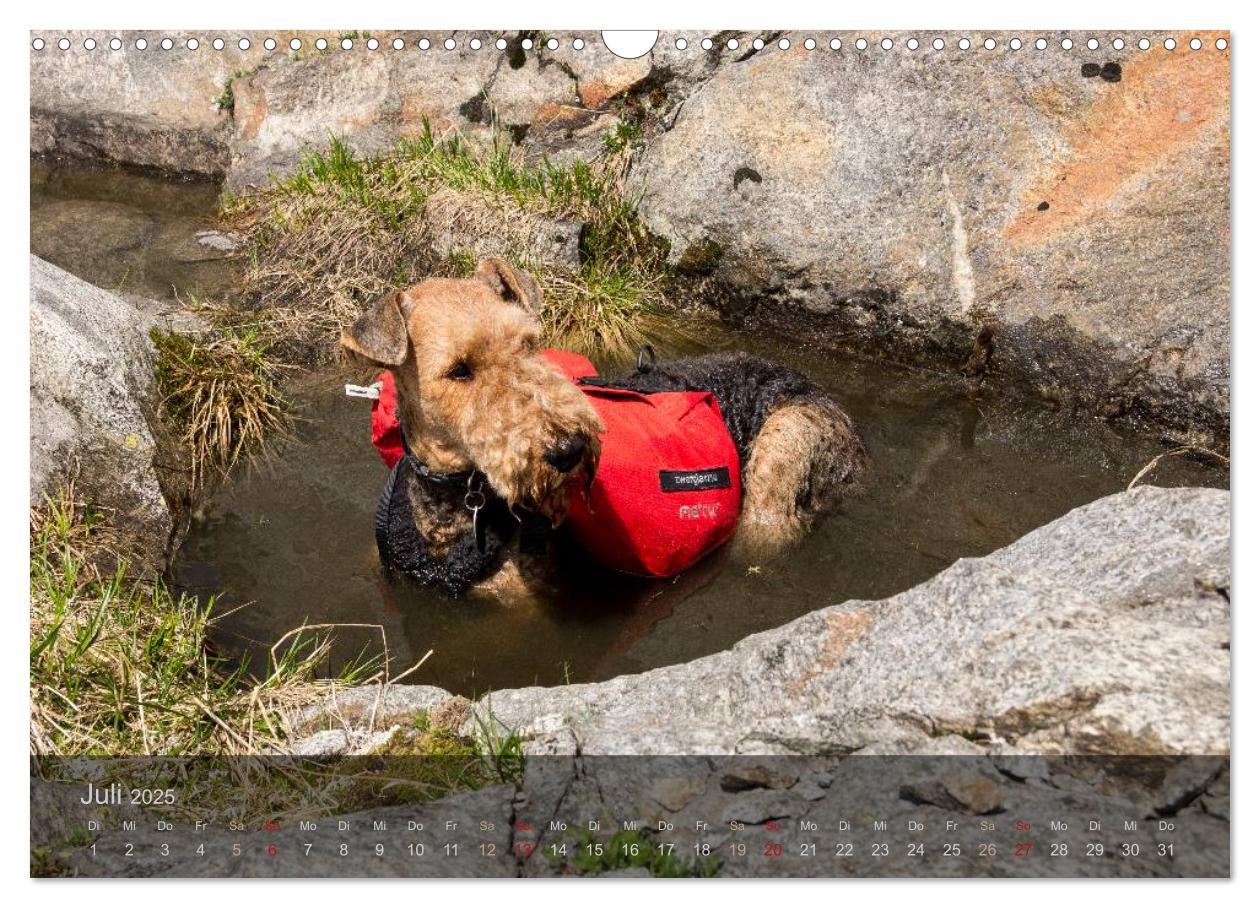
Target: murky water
{"points": [[126, 232], [291, 541]]}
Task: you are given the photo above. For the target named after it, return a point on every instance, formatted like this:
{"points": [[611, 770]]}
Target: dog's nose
{"points": [[566, 454]]}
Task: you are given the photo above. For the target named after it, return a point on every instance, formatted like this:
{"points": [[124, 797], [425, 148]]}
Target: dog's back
{"points": [[798, 448]]}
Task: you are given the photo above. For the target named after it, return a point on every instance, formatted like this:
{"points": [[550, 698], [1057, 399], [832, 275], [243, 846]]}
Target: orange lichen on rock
{"points": [[1165, 100], [843, 630]]}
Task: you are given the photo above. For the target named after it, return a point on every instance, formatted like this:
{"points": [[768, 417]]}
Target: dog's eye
{"points": [[461, 371]]}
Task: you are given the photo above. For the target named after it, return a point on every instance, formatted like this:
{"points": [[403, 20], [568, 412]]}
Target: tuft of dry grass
{"points": [[221, 393], [345, 229]]}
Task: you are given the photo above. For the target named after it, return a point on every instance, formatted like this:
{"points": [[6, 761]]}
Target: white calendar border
{"points": [[494, 14]]}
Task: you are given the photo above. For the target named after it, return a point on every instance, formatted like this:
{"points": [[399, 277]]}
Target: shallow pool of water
{"points": [[290, 541], [953, 477], [128, 232]]}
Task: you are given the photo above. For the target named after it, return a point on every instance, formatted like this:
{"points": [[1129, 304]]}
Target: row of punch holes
{"points": [[347, 43]]}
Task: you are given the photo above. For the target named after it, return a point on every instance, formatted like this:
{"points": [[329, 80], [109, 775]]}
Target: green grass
{"points": [[632, 848], [122, 666], [627, 134], [344, 229], [227, 98]]}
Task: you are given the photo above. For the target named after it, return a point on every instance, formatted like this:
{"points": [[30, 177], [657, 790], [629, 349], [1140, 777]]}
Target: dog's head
{"points": [[473, 391]]}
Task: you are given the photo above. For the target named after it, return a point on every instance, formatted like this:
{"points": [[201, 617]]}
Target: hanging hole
{"points": [[631, 45]]}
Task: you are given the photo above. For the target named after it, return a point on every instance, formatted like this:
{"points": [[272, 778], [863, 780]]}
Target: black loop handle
{"points": [[645, 361]]}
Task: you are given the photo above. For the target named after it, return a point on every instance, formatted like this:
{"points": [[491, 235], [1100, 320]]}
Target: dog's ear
{"points": [[513, 285], [380, 334]]}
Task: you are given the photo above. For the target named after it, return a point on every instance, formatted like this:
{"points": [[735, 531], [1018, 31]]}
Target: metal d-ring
{"points": [[475, 499]]}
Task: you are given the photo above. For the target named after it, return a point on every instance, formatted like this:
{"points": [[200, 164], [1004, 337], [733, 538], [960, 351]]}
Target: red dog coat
{"points": [[667, 490]]}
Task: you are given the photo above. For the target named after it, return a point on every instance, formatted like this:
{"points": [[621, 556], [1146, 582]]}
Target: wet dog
{"points": [[495, 434]]}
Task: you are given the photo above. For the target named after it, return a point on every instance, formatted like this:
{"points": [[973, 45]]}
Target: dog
{"points": [[497, 435]]}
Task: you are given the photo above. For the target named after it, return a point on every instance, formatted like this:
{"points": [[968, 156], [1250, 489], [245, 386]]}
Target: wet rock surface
{"points": [[91, 394]]}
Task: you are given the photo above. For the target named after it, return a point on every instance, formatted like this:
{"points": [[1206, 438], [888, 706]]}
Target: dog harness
{"points": [[665, 494]]}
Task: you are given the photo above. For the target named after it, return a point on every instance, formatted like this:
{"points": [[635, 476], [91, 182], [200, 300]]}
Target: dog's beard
{"points": [[549, 494]]}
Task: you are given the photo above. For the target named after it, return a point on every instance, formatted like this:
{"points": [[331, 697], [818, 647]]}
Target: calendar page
{"points": [[544, 453]]}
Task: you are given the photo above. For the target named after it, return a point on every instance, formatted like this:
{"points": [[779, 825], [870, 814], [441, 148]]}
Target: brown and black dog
{"points": [[495, 433]]}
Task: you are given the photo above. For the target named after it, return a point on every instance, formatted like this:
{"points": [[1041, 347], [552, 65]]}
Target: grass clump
{"points": [[633, 848], [221, 393], [121, 666], [345, 229]]}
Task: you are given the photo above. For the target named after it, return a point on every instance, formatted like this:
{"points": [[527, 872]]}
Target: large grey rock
{"points": [[373, 98], [1106, 631], [905, 200], [91, 391], [152, 108]]}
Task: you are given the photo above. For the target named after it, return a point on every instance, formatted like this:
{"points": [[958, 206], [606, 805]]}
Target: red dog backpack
{"points": [[667, 490]]}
